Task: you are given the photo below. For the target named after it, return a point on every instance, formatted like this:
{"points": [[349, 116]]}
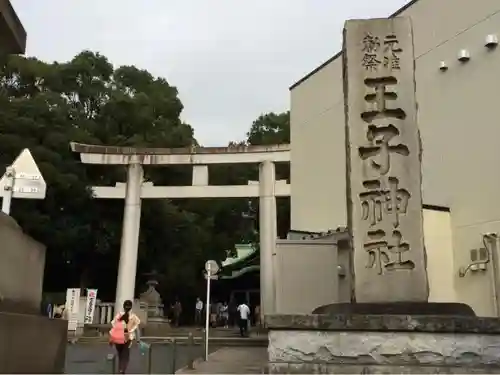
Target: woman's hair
{"points": [[127, 306]]}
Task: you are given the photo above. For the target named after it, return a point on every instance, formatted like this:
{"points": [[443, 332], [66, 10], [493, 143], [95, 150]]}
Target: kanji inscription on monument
{"points": [[384, 179]]}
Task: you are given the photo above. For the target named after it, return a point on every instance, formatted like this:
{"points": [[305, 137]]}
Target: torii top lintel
{"points": [[98, 154]]}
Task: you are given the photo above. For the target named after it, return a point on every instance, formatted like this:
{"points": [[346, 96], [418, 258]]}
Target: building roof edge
{"points": [[338, 54]]}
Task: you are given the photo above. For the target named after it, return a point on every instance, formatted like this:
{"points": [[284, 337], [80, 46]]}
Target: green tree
{"points": [[45, 106], [269, 129]]}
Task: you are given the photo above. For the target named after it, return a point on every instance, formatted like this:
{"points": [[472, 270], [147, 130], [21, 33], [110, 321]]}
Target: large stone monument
{"points": [[389, 327], [384, 197]]}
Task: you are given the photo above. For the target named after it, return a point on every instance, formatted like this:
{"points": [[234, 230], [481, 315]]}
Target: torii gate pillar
{"points": [[268, 234], [127, 267]]}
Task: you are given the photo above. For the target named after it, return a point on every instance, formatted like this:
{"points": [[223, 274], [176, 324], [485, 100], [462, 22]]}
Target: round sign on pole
{"points": [[211, 267]]}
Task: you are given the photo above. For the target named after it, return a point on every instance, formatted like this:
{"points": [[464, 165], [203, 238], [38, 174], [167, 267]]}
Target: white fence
{"points": [[104, 313]]}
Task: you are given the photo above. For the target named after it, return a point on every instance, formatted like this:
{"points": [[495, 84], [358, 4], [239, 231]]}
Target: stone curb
{"points": [[196, 362]]}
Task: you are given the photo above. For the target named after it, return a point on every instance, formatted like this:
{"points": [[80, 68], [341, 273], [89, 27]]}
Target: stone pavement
{"points": [[235, 360]]}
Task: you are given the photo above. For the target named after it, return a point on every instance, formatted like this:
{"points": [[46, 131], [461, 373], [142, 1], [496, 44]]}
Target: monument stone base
{"points": [[32, 344], [158, 327], [383, 344]]}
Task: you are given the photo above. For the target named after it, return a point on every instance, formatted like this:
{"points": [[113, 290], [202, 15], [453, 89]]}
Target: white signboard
{"points": [[27, 181], [72, 306], [90, 306], [211, 267]]}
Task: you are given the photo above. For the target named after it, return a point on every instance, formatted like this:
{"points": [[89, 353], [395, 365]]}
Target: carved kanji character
{"points": [[370, 61], [377, 251], [379, 139], [397, 247], [377, 203], [391, 52], [379, 94], [380, 250], [371, 43]]}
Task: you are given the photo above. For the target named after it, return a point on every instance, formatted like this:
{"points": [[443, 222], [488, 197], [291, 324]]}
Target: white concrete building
{"points": [[457, 76]]}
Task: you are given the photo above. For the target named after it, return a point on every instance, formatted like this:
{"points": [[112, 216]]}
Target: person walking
{"points": [[122, 334], [213, 314], [225, 315], [177, 312], [244, 314], [233, 314], [219, 313], [258, 322], [198, 312]]}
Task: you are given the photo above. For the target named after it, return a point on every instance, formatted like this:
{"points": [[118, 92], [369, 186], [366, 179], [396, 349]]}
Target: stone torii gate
{"points": [[267, 189]]}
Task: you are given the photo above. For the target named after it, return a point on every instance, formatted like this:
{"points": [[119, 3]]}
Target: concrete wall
{"points": [[457, 119], [31, 344], [22, 262], [441, 268], [306, 275]]}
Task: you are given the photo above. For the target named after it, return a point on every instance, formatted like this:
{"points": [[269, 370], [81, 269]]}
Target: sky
{"points": [[231, 60]]}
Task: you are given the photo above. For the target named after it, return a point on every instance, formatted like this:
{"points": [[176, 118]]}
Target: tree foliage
{"points": [[269, 129], [45, 106]]}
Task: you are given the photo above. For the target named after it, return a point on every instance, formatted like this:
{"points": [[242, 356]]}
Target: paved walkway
{"points": [[235, 360]]}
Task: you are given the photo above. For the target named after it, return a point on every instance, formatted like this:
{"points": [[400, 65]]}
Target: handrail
{"points": [[171, 342]]}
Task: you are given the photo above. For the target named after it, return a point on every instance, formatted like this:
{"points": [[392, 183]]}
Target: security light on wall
{"points": [[341, 270], [491, 41], [443, 66], [463, 55]]}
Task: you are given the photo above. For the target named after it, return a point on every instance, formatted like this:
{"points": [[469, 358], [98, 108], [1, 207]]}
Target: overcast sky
{"points": [[231, 60]]}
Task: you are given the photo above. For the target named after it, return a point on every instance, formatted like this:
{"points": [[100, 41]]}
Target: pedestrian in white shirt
{"points": [[244, 312], [198, 312]]}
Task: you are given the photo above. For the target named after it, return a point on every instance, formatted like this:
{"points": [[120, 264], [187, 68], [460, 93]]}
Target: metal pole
{"points": [[494, 243], [191, 354], [174, 355], [150, 358], [207, 312], [8, 190]]}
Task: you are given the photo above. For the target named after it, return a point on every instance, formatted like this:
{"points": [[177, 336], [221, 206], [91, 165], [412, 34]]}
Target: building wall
{"points": [[20, 291], [457, 122], [441, 268], [306, 275]]}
